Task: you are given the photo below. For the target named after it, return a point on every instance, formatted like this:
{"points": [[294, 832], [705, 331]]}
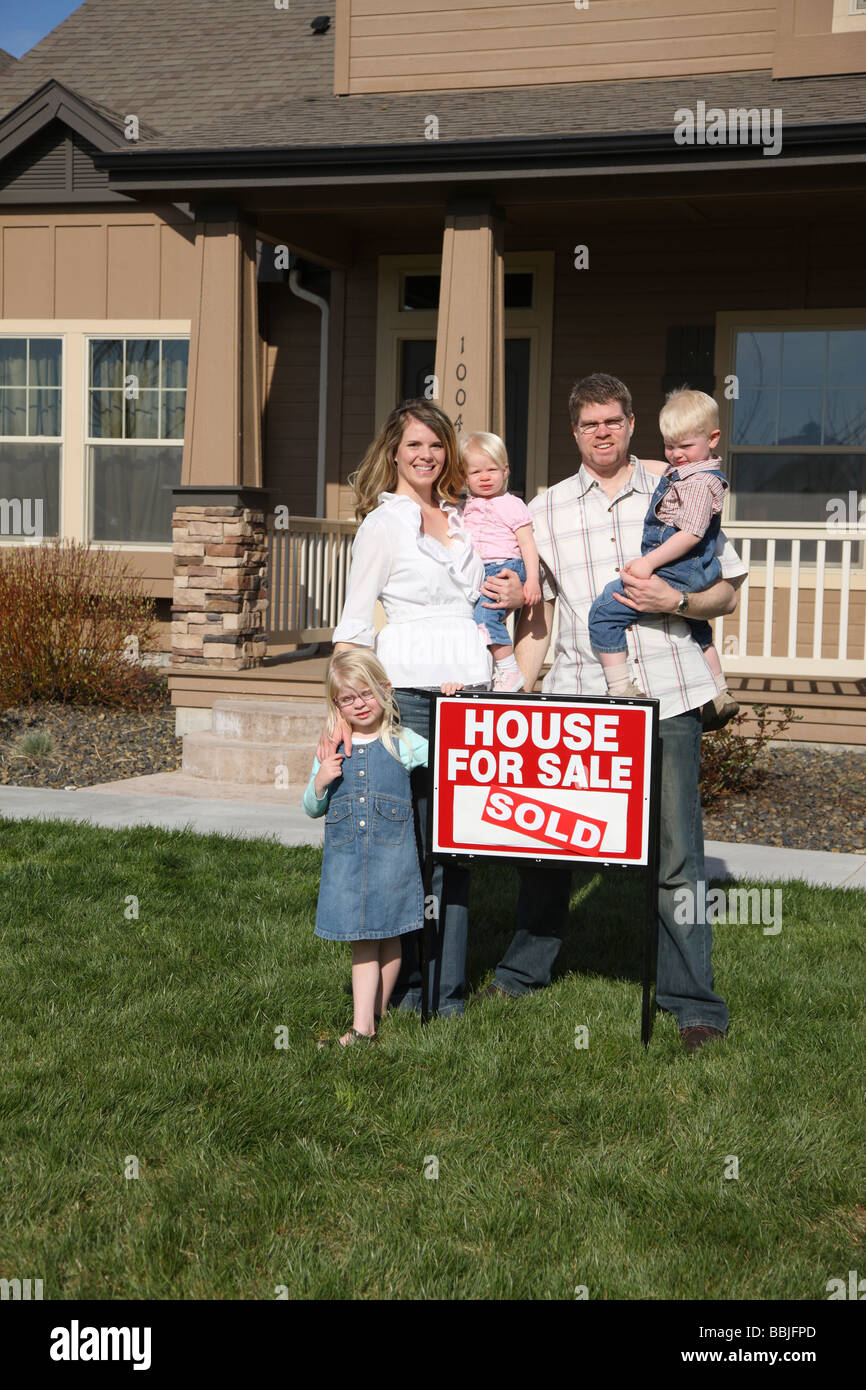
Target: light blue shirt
{"points": [[412, 751]]}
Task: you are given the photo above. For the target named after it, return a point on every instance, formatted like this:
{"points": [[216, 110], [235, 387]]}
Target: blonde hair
{"points": [[362, 666], [688, 412], [378, 469], [489, 444]]}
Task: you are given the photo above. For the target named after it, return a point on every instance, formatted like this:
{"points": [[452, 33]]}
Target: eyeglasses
{"points": [[613, 425], [346, 701]]}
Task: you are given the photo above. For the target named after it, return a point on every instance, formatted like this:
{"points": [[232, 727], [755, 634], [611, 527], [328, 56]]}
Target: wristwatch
{"points": [[683, 604]]}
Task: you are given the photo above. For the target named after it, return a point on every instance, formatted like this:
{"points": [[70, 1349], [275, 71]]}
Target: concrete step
{"points": [[268, 721], [208, 755]]}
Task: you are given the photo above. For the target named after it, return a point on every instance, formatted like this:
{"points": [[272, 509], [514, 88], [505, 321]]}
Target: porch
{"points": [[798, 637]]}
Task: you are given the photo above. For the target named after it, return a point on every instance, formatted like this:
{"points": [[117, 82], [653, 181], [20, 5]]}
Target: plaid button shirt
{"points": [[583, 538]]}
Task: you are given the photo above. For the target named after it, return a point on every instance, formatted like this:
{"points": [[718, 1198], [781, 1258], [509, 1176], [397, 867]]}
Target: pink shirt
{"points": [[492, 522]]}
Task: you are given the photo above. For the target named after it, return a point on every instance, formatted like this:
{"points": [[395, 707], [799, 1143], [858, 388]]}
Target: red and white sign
{"points": [[542, 778]]}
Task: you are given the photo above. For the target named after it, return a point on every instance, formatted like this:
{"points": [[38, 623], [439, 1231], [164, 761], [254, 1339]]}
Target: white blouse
{"points": [[428, 591]]}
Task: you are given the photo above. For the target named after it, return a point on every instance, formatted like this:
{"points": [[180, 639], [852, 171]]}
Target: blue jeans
{"points": [[451, 890], [494, 618], [608, 619], [684, 975]]}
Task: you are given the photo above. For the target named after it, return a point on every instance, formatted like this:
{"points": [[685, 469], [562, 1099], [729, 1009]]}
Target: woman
{"points": [[412, 553]]}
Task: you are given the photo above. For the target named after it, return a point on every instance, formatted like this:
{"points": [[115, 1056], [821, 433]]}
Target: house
{"points": [[236, 232]]}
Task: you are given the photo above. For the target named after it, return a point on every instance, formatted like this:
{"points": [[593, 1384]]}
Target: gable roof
{"points": [[53, 102], [241, 74], [7, 60]]}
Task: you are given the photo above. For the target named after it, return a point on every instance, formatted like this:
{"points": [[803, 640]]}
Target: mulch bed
{"points": [[89, 745], [804, 798]]}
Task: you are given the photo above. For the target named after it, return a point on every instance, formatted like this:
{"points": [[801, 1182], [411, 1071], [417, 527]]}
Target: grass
{"points": [[153, 1038]]}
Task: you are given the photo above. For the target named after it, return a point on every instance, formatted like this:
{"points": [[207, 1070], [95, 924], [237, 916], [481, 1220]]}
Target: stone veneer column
{"points": [[220, 577]]}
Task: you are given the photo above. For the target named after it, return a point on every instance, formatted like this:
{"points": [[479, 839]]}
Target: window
{"points": [[31, 413], [798, 426], [136, 401]]}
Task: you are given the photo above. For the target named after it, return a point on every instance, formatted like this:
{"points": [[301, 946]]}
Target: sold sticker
{"points": [[554, 826]]}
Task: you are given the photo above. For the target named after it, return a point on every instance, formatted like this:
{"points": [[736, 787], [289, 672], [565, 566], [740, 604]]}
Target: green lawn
{"points": [[263, 1167]]}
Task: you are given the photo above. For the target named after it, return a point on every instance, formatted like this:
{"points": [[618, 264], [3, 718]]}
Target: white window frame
{"points": [[6, 332], [847, 19], [74, 480]]}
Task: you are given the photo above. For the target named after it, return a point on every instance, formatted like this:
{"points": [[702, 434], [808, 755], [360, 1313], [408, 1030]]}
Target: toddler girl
{"points": [[371, 892], [501, 530]]}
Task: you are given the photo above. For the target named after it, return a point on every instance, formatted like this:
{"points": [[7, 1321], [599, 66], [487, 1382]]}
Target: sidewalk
{"points": [[172, 800]]}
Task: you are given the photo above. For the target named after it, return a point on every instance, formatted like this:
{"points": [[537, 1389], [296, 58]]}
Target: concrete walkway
{"points": [[172, 801]]}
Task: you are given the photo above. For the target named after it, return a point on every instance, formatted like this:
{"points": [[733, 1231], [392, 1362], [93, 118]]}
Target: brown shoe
{"points": [[718, 712], [492, 992], [700, 1033]]}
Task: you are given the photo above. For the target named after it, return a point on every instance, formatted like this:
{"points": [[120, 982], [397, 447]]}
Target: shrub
{"points": [[729, 758], [37, 744], [69, 617]]}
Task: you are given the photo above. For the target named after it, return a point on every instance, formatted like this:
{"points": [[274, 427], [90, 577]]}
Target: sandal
{"points": [[354, 1037]]}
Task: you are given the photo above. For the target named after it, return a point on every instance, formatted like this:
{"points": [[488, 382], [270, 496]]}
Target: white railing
{"points": [[308, 564], [769, 636]]}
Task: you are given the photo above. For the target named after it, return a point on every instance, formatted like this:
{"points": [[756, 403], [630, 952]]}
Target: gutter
{"points": [[530, 156]]}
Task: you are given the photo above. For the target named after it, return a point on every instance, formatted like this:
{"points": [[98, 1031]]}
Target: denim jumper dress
{"points": [[371, 883], [696, 570]]}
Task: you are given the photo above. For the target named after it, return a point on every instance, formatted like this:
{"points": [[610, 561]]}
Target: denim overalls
{"points": [[371, 882], [696, 570]]}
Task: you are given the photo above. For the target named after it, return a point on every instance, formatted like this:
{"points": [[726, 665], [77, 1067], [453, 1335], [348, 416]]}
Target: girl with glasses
{"points": [[371, 892]]}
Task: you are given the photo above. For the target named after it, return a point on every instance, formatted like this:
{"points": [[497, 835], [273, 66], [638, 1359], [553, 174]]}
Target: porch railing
{"points": [[799, 614], [308, 564]]}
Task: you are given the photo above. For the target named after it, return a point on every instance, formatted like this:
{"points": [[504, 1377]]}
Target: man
{"points": [[587, 528]]}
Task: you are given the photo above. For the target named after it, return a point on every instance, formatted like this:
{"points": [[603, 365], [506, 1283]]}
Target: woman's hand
{"points": [[327, 745], [451, 687], [329, 771], [506, 588]]}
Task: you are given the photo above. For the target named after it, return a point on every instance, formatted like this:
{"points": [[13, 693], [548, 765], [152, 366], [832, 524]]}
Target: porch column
{"points": [[222, 435], [219, 543], [470, 341], [220, 577]]}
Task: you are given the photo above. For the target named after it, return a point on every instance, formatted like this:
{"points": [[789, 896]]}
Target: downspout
{"points": [[324, 310], [297, 289]]}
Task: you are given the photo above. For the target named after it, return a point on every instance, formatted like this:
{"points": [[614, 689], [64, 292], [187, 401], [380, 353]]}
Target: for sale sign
{"points": [[541, 777]]}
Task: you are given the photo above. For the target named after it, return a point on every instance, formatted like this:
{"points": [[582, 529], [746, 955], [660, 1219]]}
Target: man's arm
{"points": [[532, 639], [653, 595]]}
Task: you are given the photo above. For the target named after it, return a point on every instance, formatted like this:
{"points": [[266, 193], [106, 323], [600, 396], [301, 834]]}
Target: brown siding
{"points": [[118, 264], [395, 44], [26, 273], [643, 279]]}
